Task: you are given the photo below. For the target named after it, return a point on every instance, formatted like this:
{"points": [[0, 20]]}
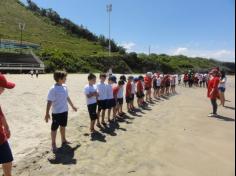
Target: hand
{"points": [[47, 117], [8, 133], [74, 108]]}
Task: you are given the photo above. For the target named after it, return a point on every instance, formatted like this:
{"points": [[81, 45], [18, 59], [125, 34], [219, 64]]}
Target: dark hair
{"points": [[223, 74], [91, 76], [59, 75], [103, 75], [121, 83]]}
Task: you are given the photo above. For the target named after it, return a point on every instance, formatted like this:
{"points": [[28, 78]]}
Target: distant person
{"points": [[120, 95], [140, 92], [102, 99], [37, 73], [179, 79], [58, 100], [222, 87], [158, 84], [32, 73], [6, 157], [213, 92], [109, 72], [154, 85], [186, 79], [111, 102], [148, 86], [133, 92], [91, 96], [128, 94]]}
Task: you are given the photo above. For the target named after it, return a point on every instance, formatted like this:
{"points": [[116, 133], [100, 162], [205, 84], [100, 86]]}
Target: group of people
{"points": [[105, 98], [196, 79], [110, 96]]}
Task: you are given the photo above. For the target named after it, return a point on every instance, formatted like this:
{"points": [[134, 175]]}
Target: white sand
{"points": [[175, 138]]}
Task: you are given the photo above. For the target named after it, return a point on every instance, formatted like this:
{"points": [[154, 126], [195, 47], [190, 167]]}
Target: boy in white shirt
{"points": [[102, 99], [58, 99], [91, 96]]}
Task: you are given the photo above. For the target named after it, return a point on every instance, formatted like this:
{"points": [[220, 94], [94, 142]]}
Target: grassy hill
{"points": [[41, 30], [66, 47]]}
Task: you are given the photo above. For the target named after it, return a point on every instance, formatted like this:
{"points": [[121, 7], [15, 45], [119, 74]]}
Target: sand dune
{"points": [[173, 137]]}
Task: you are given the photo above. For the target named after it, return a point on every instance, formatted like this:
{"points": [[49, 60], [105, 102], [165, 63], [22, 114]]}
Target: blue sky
{"points": [[191, 27]]}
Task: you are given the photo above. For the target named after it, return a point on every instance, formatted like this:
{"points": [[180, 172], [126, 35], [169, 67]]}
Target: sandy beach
{"points": [[173, 137]]}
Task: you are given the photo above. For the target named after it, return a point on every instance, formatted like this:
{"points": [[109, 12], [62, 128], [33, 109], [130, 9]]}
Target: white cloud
{"points": [[180, 50], [129, 46], [222, 54]]}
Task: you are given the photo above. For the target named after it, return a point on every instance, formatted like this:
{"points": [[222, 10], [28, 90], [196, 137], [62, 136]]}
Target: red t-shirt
{"points": [[213, 85], [128, 89], [2, 133], [185, 77], [148, 82], [115, 91], [139, 87]]}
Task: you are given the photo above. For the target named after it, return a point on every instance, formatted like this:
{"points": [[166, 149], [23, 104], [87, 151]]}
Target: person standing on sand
{"points": [[32, 73], [6, 157], [37, 73], [213, 92], [222, 87], [148, 86], [58, 99], [91, 96]]}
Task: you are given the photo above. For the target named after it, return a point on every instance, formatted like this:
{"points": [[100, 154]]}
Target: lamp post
{"points": [[109, 10], [22, 28]]}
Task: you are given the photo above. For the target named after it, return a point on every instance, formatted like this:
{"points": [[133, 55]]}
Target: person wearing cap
{"points": [[120, 96], [111, 102], [6, 157], [213, 93]]}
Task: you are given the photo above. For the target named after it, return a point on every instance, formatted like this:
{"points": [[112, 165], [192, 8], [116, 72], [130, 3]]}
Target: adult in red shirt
{"points": [[213, 92], [6, 157], [148, 86]]}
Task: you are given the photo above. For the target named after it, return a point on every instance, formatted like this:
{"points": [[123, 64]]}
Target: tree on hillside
{"points": [[32, 6]]}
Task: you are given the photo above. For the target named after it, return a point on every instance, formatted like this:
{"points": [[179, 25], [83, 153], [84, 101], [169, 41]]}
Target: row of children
{"points": [[110, 97], [100, 98]]}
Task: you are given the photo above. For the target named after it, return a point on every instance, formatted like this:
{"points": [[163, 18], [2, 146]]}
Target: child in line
{"points": [[120, 96], [119, 101], [91, 96], [133, 91], [128, 95], [6, 157], [148, 86], [58, 99], [102, 99], [158, 83], [154, 83], [111, 102], [140, 91]]}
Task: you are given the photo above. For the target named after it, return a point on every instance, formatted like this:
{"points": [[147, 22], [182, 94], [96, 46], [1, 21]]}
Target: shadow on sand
{"points": [[227, 119], [64, 155]]}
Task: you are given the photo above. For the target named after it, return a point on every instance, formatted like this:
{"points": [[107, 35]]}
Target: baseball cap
{"points": [[4, 83], [113, 79]]}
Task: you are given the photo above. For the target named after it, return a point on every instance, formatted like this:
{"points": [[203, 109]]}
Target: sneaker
{"points": [[212, 115]]}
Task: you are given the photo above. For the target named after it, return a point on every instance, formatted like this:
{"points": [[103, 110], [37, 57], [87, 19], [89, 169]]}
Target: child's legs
{"points": [[103, 115], [109, 114], [53, 137], [63, 134], [92, 124], [7, 167]]}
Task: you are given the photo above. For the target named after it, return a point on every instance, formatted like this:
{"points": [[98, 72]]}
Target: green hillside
{"points": [[65, 45], [41, 30]]}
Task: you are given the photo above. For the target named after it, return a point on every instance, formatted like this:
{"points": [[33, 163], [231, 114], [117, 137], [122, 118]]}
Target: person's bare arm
{"points": [[71, 104], [6, 127], [47, 116]]}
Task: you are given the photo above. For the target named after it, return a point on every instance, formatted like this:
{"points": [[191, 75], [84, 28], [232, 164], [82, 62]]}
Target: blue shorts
{"points": [[222, 89], [5, 153]]}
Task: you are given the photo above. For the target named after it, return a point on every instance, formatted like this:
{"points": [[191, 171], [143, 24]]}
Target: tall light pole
{"points": [[109, 10], [21, 27]]}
